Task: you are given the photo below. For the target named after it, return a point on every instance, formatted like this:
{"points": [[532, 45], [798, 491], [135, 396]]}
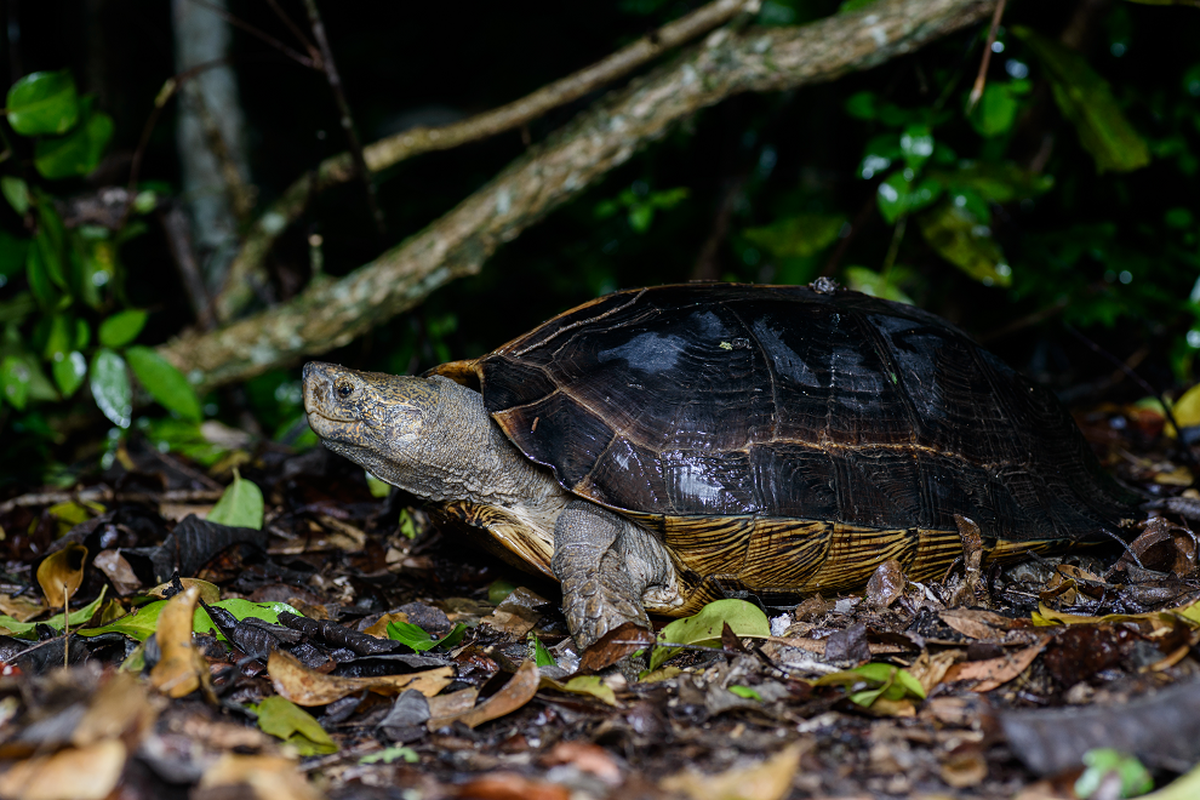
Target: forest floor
{"points": [[985, 685]]}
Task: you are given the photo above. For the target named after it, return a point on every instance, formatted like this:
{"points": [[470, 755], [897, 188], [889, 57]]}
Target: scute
{"points": [[786, 406]]}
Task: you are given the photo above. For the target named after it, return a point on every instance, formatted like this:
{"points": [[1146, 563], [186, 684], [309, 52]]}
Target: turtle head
{"points": [[373, 419]]}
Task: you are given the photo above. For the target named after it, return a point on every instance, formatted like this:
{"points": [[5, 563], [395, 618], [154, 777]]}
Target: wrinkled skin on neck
{"points": [[428, 436]]}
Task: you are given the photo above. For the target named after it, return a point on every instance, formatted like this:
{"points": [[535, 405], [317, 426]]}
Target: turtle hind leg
{"points": [[605, 564]]}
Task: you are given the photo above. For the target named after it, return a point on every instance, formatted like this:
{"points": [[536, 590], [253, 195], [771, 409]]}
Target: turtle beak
{"points": [[321, 402]]}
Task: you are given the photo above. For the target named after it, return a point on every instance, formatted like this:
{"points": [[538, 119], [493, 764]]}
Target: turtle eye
{"points": [[343, 388]]}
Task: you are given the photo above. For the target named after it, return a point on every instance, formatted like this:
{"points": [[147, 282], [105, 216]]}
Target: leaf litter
{"points": [[321, 642]]}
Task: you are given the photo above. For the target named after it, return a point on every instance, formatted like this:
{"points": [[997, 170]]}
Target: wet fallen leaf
{"points": [[704, 628], [120, 708], [519, 690], [285, 720], [590, 685], [993, 672], [61, 573], [21, 609], [305, 687], [768, 780], [886, 584], [269, 777], [117, 570], [74, 773], [241, 506], [454, 703], [181, 669]]}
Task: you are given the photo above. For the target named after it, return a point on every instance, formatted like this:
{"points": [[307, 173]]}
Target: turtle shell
{"points": [[778, 438]]}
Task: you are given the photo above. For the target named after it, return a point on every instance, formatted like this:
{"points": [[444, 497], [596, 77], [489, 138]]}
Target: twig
{"points": [[981, 78], [104, 494], [313, 52], [311, 61], [233, 296], [179, 242], [347, 120]]}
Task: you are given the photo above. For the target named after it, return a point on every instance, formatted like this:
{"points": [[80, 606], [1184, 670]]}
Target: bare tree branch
{"points": [[247, 267], [331, 313]]}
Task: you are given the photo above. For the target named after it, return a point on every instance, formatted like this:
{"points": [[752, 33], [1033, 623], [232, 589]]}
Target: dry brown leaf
{"points": [[22, 609], [585, 757], [453, 704], [931, 670], [74, 773], [117, 570], [378, 629], [519, 690], [965, 766], [767, 780], [209, 592], [304, 687], [120, 709], [270, 777], [994, 672], [511, 786], [182, 669], [61, 572]]}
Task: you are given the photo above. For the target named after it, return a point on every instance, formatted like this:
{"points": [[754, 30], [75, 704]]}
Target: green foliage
{"points": [[285, 720], [64, 326], [416, 638], [640, 204], [1135, 779], [873, 681], [240, 506]]}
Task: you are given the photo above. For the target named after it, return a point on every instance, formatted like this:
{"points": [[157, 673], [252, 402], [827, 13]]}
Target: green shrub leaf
{"points": [[167, 384], [43, 103], [111, 388], [69, 371], [76, 153], [16, 192], [122, 328]]}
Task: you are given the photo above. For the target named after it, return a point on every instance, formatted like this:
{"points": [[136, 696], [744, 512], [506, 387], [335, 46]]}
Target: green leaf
{"points": [[377, 488], [390, 754], [167, 384], [110, 387], [122, 328], [591, 685], [37, 272], [746, 692], [15, 378], [1086, 100], [868, 281], [898, 195], [800, 235], [1134, 778], [78, 152], [541, 656], [916, 144], [997, 182], [69, 370], [872, 681], [962, 240], [705, 627], [861, 105], [43, 103], [240, 506], [415, 637], [241, 609], [997, 110], [16, 192], [285, 720], [14, 253]]}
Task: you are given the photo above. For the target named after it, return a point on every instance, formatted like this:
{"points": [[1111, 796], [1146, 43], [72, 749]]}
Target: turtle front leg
{"points": [[605, 564]]}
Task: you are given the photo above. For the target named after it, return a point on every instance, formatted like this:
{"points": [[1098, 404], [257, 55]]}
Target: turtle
{"points": [[657, 448]]}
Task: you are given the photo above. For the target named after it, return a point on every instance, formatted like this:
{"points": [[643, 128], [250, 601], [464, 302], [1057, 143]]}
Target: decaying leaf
{"points": [[117, 570], [285, 720], [993, 672], [305, 687], [269, 777], [121, 708], [768, 780], [61, 573], [182, 668], [73, 773], [519, 690]]}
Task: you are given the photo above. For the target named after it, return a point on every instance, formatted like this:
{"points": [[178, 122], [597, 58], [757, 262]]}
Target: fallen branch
{"points": [[331, 313]]}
